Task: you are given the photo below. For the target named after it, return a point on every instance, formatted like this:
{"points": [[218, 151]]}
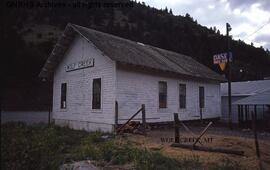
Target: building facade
{"points": [[92, 70], [240, 91]]}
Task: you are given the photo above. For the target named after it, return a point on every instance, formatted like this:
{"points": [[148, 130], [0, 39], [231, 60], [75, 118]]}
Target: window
{"points": [[63, 95], [162, 94], [182, 96], [201, 97], [96, 95]]}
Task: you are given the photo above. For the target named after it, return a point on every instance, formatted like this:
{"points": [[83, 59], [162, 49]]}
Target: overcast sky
{"points": [[244, 16]]}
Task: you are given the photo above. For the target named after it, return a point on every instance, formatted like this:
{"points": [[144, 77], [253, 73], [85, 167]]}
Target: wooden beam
{"points": [[202, 133], [188, 130], [208, 149], [121, 127]]}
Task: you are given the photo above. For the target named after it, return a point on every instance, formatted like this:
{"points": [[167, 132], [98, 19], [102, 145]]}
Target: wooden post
{"points": [[201, 119], [239, 113], [143, 118], [263, 114], [49, 115], [242, 114], [176, 128], [116, 116], [254, 117], [246, 114], [254, 123]]}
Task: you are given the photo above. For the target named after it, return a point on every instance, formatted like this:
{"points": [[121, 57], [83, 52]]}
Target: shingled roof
{"points": [[129, 52], [262, 98]]}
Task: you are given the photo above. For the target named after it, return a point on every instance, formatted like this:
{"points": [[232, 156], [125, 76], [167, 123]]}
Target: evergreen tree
{"points": [[171, 11]]}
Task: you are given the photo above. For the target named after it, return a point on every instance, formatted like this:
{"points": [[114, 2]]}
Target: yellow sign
{"points": [[222, 66]]}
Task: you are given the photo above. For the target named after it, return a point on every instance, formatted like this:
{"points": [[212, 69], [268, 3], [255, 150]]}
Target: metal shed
{"points": [[258, 104]]}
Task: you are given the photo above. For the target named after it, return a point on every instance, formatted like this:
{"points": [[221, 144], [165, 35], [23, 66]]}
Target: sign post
{"points": [[223, 59], [228, 29]]}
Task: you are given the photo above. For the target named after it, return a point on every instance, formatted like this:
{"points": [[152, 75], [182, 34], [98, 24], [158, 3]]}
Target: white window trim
{"points": [[178, 87], [66, 108], [101, 95], [165, 109]]}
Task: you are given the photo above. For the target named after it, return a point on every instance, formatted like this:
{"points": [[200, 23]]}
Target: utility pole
{"points": [[228, 29]]}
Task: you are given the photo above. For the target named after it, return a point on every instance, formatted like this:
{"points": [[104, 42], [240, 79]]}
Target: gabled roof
{"points": [[262, 98], [125, 51], [245, 88]]}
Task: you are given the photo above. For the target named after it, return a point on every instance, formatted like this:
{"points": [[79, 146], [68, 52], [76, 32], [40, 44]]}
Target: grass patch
{"points": [[37, 146], [227, 164], [42, 147]]}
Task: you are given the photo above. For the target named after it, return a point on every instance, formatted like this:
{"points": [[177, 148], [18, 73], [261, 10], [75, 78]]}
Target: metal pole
{"points": [[228, 28]]}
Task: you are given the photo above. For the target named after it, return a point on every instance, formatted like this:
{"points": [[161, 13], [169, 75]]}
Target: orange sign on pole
{"points": [[222, 66], [222, 59]]}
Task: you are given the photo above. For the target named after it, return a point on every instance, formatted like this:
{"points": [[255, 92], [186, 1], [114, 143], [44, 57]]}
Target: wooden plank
{"points": [[208, 149], [188, 130], [202, 133], [122, 126], [149, 118]]}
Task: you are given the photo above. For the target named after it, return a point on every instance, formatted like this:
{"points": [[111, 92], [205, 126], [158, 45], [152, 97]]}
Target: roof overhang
{"points": [[58, 51]]}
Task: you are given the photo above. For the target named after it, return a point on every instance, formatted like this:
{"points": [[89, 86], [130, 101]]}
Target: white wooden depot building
{"points": [[91, 70]]}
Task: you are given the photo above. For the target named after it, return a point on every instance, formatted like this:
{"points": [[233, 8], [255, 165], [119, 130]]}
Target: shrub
{"points": [[34, 147]]}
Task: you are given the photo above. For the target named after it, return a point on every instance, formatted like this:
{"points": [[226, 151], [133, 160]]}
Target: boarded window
{"points": [[201, 97], [182, 96], [162, 94], [96, 98], [63, 95]]}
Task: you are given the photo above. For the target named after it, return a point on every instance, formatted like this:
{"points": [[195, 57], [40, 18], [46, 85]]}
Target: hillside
{"points": [[29, 34], [37, 30]]}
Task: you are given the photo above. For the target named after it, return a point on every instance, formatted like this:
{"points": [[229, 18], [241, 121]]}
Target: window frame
{"points": [[95, 105], [201, 97], [63, 96], [182, 95], [162, 104]]}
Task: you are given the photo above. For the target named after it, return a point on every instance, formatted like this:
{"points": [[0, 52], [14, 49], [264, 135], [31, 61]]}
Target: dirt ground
{"points": [[215, 137]]}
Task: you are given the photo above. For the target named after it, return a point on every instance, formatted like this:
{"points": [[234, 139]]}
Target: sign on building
{"points": [[80, 65]]}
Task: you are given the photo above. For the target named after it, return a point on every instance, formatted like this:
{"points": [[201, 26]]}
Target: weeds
{"points": [[43, 147]]}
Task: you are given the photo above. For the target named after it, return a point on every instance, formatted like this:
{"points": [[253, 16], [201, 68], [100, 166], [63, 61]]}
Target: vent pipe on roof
{"points": [[140, 43]]}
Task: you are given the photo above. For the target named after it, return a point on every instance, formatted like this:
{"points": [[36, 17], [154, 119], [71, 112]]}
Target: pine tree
{"points": [[171, 11]]}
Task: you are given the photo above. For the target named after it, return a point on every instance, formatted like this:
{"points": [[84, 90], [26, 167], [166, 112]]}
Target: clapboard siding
{"points": [[134, 89], [130, 89], [79, 113]]}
